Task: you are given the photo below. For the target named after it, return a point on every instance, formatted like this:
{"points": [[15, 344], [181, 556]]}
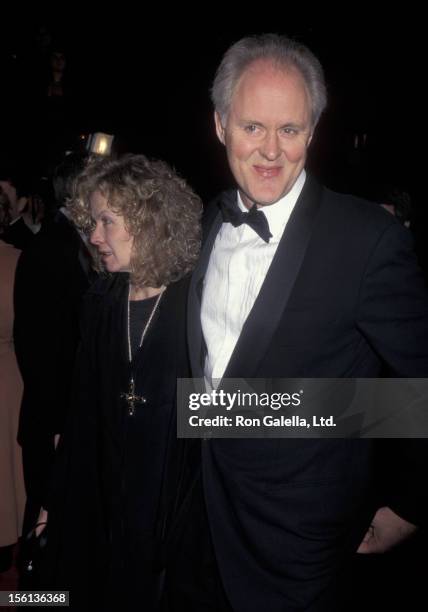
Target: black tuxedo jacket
{"points": [[343, 297]]}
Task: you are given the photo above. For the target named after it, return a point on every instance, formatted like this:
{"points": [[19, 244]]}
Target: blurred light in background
{"points": [[100, 143]]}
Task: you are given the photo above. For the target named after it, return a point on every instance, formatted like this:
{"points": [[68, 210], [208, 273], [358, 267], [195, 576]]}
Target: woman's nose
{"points": [[95, 236]]}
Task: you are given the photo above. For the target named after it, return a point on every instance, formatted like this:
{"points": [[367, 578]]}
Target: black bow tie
{"points": [[255, 218]]}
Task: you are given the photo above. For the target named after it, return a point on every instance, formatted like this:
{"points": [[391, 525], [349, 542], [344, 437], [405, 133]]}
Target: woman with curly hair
{"points": [[119, 462]]}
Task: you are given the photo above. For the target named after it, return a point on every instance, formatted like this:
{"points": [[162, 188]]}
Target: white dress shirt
{"points": [[238, 265]]}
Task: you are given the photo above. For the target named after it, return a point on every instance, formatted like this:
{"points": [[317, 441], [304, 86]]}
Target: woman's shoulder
{"points": [[177, 292], [105, 290], [105, 284]]}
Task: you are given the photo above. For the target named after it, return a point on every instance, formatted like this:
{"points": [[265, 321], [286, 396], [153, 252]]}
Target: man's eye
{"points": [[289, 131], [251, 128]]}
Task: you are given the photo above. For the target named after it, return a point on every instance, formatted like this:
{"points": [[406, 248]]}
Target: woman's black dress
{"points": [[115, 487]]}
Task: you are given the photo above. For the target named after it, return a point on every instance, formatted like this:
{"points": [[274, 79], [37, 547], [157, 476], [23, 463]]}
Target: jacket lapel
{"points": [[264, 318], [270, 304], [196, 342]]}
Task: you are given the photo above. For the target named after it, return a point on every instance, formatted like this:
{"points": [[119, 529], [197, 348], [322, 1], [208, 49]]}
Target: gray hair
{"points": [[282, 51]]}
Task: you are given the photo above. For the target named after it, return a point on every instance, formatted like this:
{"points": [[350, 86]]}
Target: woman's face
{"points": [[110, 237]]}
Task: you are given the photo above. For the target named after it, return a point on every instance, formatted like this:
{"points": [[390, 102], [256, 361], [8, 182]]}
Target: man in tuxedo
{"points": [[295, 281]]}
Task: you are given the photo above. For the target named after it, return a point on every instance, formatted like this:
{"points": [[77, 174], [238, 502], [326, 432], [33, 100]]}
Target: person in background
{"points": [[52, 275], [17, 191], [12, 496], [57, 69]]}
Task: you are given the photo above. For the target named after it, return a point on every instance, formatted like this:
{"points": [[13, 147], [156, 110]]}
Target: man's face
{"points": [[267, 132]]}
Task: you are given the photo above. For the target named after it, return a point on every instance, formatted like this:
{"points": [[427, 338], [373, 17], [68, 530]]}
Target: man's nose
{"points": [[270, 148]]}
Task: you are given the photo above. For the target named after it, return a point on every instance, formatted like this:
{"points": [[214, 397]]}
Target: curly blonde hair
{"points": [[160, 211]]}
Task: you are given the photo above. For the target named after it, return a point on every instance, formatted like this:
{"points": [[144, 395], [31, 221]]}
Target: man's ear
{"points": [[220, 131]]}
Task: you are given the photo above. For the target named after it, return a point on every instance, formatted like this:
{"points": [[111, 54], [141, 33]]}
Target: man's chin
{"points": [[265, 201], [259, 199], [268, 202]]}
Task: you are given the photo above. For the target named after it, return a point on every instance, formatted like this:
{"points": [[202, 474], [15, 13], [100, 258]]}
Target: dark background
{"points": [[145, 78], [147, 81]]}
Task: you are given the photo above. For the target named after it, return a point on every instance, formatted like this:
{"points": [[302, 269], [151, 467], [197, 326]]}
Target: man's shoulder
{"points": [[18, 234], [58, 231], [347, 209], [341, 209], [56, 237]]}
